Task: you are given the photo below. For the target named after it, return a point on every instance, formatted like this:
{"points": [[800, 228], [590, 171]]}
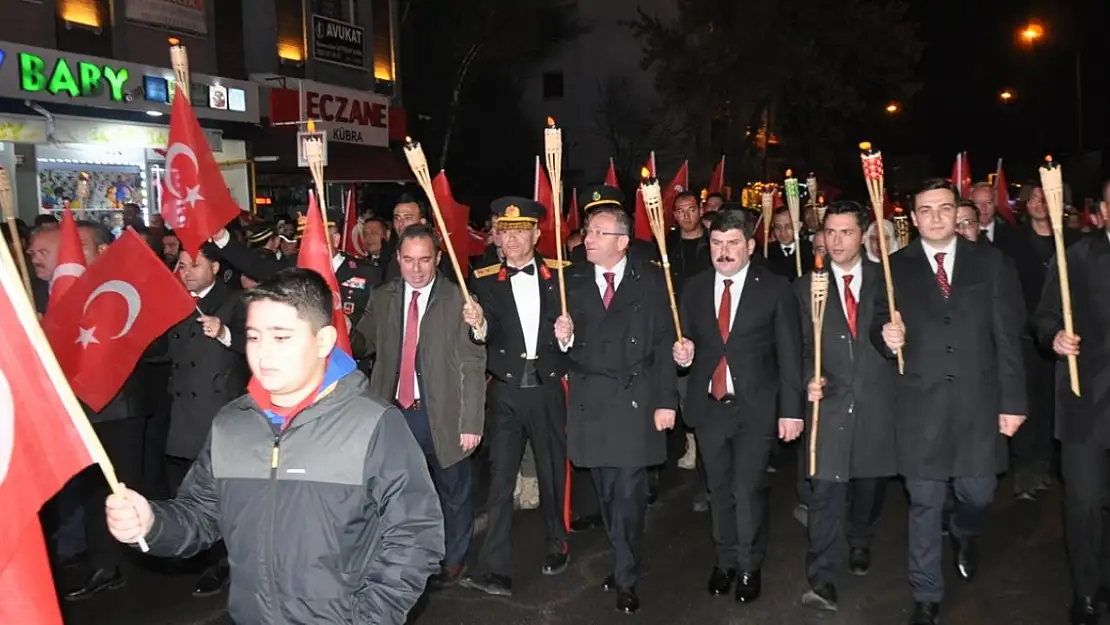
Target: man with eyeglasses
{"points": [[967, 221], [958, 324]]}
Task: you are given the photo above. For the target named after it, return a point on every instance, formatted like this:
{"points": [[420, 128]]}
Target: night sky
{"points": [[973, 52]]}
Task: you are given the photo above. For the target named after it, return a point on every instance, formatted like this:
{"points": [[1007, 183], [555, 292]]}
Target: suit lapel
{"points": [[836, 320], [964, 267], [625, 294], [920, 265]]}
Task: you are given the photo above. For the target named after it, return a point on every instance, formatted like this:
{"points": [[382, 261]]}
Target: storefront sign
{"points": [[28, 73], [75, 131], [185, 16], [346, 115], [337, 42]]}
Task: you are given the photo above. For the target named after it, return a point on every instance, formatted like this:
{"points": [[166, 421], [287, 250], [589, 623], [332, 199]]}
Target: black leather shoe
{"points": [[924, 613], [720, 581], [97, 581], [448, 576], [555, 563], [627, 601], [489, 583], [748, 586], [821, 597], [584, 523], [609, 584], [213, 581], [967, 559], [1084, 611], [859, 561]]}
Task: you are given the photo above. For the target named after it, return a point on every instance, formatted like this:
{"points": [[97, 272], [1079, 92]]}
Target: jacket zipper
{"points": [[275, 456]]}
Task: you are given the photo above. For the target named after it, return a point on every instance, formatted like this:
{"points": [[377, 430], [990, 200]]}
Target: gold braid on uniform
{"points": [[554, 263], [487, 271]]}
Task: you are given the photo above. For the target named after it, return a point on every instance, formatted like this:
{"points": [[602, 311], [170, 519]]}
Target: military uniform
{"points": [[525, 398]]}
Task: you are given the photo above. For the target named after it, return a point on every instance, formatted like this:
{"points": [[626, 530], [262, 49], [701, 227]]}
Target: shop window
{"points": [[381, 15], [341, 10], [552, 85], [84, 27], [290, 31]]}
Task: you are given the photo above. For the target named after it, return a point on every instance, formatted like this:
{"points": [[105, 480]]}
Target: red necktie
{"points": [[610, 290], [850, 304], [942, 275], [406, 387], [719, 386]]}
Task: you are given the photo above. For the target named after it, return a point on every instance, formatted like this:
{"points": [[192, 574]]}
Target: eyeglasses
{"points": [[597, 232], [965, 223]]}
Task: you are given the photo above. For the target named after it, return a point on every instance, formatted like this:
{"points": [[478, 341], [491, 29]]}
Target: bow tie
{"points": [[529, 269]]}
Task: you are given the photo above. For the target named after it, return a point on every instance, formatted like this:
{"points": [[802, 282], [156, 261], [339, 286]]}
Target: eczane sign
{"points": [[347, 115]]}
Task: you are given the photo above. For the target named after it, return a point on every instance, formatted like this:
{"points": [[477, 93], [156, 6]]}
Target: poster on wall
{"points": [[337, 42], [187, 16]]}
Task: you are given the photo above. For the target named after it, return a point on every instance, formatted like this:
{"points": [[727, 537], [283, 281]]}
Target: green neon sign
{"points": [[77, 80]]}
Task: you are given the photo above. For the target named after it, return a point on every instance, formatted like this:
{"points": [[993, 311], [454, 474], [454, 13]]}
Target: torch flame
{"points": [[790, 173], [550, 121], [174, 41], [645, 173], [408, 140], [1048, 159], [311, 126], [819, 262], [865, 146]]}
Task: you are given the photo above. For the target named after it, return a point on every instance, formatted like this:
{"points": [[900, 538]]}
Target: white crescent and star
{"points": [[7, 426], [134, 306], [192, 194], [66, 270]]}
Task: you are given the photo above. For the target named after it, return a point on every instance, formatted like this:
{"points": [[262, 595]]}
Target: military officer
{"points": [[517, 302]]}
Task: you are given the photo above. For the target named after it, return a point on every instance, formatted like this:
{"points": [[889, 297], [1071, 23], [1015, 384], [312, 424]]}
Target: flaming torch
{"points": [[653, 202], [873, 175], [768, 215], [314, 154], [553, 149], [793, 204], [419, 164], [1052, 182], [818, 298], [179, 59]]}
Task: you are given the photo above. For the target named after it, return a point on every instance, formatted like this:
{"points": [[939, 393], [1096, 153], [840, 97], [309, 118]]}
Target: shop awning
{"points": [[347, 162]]}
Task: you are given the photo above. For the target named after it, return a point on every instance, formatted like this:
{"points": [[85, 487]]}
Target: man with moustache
{"points": [[959, 324], [429, 367], [516, 301], [1083, 422], [623, 394], [743, 347], [42, 251], [854, 443]]}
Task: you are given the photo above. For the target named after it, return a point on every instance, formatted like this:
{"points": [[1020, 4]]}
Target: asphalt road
{"points": [[1023, 577]]}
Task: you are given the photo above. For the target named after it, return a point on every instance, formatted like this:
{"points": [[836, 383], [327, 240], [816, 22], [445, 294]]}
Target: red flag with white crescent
{"points": [[71, 260], [111, 314], [352, 228], [196, 202]]}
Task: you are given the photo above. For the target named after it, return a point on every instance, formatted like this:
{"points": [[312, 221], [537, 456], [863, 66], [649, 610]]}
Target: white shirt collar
{"points": [[949, 250], [737, 280], [336, 261], [422, 290], [205, 291], [856, 272], [617, 270]]}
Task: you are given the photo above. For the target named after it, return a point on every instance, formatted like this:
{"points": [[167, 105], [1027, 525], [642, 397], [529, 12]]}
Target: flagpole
{"points": [[28, 318], [6, 202]]}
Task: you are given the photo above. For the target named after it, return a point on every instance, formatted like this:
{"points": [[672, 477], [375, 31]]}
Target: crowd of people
{"points": [[328, 486]]}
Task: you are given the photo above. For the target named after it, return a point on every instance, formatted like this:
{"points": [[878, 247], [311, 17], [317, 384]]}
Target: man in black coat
{"points": [[623, 394], [783, 251], [992, 228], [1083, 422], [744, 390], [958, 323], [517, 302], [853, 444]]}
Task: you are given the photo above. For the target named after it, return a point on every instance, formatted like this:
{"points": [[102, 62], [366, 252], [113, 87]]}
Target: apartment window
{"points": [[83, 27], [290, 31], [341, 10], [552, 85], [381, 16]]}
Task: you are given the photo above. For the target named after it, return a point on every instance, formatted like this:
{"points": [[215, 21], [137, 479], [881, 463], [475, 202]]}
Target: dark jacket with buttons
{"points": [[205, 375]]}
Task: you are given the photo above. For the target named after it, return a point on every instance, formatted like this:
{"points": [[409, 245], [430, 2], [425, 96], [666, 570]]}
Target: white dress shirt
{"points": [[857, 281], [602, 285], [736, 289], [949, 256], [788, 249], [526, 293], [225, 334], [336, 261], [421, 306]]}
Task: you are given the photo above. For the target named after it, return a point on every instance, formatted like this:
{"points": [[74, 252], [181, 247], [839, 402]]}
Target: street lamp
{"points": [[1006, 95], [1033, 33], [892, 108]]}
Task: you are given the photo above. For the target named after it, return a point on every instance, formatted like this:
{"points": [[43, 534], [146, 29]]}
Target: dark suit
{"points": [[963, 368], [356, 278], [450, 375], [854, 441], [779, 262], [620, 373], [1083, 423], [735, 434], [525, 401]]}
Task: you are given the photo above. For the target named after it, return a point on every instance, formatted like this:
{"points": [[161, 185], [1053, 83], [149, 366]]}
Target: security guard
{"points": [[517, 302], [355, 276]]}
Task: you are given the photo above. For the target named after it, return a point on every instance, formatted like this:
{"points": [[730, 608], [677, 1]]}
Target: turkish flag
{"points": [[572, 212], [456, 218], [314, 255], [108, 317], [1002, 196], [961, 176], [196, 202], [71, 260], [477, 243], [717, 178], [40, 450], [679, 184], [352, 228], [641, 226], [611, 176]]}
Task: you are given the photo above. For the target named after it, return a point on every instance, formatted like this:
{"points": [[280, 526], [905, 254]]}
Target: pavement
{"points": [[1023, 578]]}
